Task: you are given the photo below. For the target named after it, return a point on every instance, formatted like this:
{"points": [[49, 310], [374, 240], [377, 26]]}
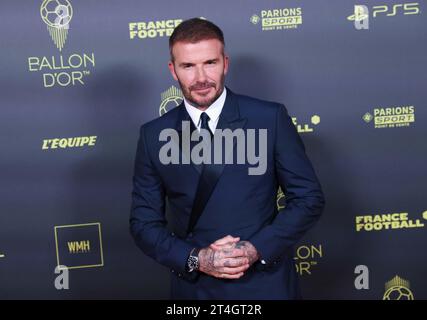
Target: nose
{"points": [[201, 74]]}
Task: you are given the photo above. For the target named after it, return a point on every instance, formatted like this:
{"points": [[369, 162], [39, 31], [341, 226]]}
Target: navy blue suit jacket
{"points": [[240, 204]]}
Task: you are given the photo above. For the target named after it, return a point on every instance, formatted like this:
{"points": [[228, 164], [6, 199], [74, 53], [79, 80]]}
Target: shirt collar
{"points": [[213, 111]]}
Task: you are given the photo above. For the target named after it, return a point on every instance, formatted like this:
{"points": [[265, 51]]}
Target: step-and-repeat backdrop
{"points": [[79, 77]]}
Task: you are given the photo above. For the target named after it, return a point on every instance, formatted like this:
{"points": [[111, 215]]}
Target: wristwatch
{"points": [[193, 260]]}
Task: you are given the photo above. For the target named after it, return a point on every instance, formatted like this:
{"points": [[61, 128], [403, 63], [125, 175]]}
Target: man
{"points": [[216, 226]]}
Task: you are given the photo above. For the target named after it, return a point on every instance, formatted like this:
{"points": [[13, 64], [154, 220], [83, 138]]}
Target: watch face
{"points": [[193, 263]]}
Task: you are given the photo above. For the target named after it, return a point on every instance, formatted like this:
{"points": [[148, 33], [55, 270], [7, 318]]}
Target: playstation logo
{"points": [[360, 17]]}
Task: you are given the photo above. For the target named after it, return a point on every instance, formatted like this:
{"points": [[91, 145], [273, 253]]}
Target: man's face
{"points": [[200, 69]]}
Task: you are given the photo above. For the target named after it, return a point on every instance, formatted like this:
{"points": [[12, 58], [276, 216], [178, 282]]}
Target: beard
{"points": [[199, 100]]}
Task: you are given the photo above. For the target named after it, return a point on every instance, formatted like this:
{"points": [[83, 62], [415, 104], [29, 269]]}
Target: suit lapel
{"points": [[183, 121], [229, 118]]}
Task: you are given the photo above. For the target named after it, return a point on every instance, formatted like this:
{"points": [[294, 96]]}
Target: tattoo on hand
{"points": [[213, 262], [249, 249]]}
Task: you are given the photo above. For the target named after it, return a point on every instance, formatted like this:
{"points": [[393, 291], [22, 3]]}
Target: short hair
{"points": [[195, 30]]}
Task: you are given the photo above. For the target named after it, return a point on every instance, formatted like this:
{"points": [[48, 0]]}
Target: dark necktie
{"points": [[205, 118], [206, 181]]}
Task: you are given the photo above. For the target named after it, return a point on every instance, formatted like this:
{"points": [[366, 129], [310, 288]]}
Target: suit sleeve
{"points": [[304, 196], [147, 219]]}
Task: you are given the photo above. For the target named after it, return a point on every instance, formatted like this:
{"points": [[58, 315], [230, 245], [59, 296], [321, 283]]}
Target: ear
{"points": [[172, 70], [226, 63]]}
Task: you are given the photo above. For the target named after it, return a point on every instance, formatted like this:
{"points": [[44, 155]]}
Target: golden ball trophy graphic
{"points": [[398, 289], [170, 99], [57, 15], [280, 199]]}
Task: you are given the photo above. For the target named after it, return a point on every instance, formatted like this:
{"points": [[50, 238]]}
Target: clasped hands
{"points": [[227, 258]]}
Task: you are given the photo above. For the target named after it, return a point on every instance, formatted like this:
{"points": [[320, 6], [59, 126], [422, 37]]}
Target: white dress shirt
{"points": [[213, 112]]}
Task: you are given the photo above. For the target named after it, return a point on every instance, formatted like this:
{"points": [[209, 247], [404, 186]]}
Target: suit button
{"points": [[179, 275], [190, 235], [172, 270], [173, 234]]}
